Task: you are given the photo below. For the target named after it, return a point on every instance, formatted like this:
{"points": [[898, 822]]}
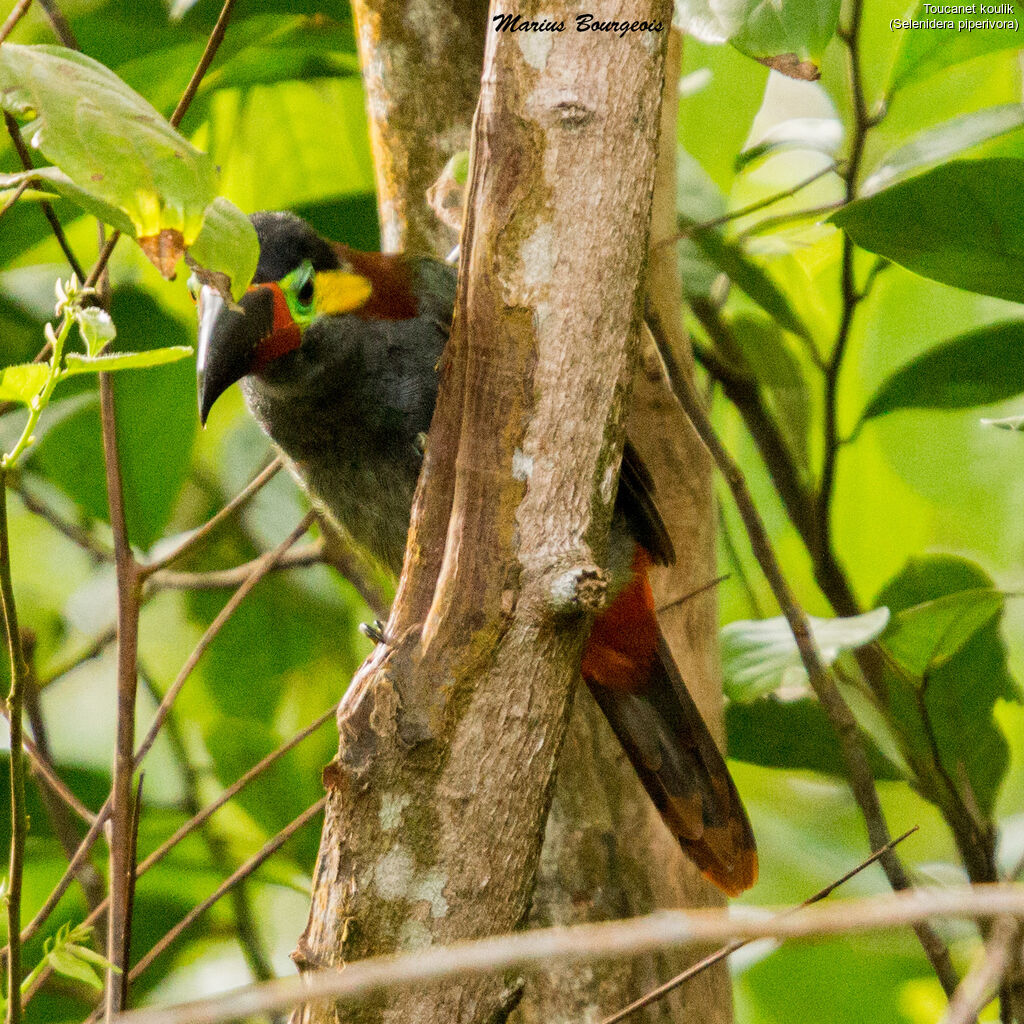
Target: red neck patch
{"points": [[284, 336]]}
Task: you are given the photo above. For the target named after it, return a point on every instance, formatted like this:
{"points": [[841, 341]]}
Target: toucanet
{"points": [[338, 355]]}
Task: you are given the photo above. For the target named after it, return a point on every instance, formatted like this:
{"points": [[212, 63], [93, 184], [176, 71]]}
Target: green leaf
{"points": [[75, 364], [944, 141], [96, 329], [923, 638], [967, 674], [90, 955], [925, 52], [792, 734], [56, 182], [111, 143], [23, 382], [71, 966], [961, 223], [977, 368], [761, 28], [770, 358], [227, 244], [736, 84], [730, 258], [761, 655], [819, 134], [156, 422], [460, 167]]}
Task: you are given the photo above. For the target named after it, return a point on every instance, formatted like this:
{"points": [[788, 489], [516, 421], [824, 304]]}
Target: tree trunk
{"points": [[449, 738], [421, 63], [606, 852]]}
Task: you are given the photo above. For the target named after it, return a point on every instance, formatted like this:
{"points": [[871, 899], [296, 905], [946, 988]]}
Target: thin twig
{"points": [[212, 45], [61, 821], [744, 211], [126, 952], [201, 533], [94, 650], [614, 940], [245, 924], [59, 24], [224, 579], [200, 819], [691, 594], [984, 978], [26, 161], [48, 775], [855, 756], [18, 12], [262, 567], [781, 219], [19, 818], [74, 533], [851, 297], [731, 947], [243, 872], [16, 194], [122, 811]]}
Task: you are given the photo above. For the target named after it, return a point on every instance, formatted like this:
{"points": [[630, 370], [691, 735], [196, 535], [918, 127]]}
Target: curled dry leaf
{"points": [[164, 250], [792, 66]]}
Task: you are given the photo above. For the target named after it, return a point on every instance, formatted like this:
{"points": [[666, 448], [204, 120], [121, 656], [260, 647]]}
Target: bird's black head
{"points": [[285, 242], [300, 276]]}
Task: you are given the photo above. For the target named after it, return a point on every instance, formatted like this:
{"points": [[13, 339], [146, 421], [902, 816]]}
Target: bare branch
{"points": [[854, 753], [26, 161], [41, 767], [199, 820], [197, 536], [122, 809], [223, 579], [59, 24], [71, 530], [18, 12], [93, 650], [260, 568], [243, 872], [212, 45], [19, 816], [729, 948], [665, 929], [985, 977]]}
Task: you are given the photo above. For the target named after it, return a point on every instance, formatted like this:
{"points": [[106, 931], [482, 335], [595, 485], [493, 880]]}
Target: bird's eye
{"points": [[193, 287], [305, 293]]}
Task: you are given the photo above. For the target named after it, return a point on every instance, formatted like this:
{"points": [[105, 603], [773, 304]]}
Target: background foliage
{"points": [[925, 514]]}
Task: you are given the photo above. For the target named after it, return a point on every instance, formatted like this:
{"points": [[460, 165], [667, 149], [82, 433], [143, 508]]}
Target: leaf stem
{"points": [[39, 403]]}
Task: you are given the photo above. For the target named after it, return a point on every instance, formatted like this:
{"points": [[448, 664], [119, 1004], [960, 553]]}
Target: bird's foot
{"points": [[375, 631]]}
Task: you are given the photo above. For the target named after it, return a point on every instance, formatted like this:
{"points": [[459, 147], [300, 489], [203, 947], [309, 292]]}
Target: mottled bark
{"points": [[450, 738], [606, 852], [421, 64]]}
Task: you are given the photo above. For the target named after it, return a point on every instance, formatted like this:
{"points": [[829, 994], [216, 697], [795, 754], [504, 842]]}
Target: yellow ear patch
{"points": [[339, 291]]}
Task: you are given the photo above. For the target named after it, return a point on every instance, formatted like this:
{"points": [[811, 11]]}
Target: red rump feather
{"points": [[631, 674]]}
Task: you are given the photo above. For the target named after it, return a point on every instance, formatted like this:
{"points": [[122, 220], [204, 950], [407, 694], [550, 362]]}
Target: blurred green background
{"points": [[282, 114]]}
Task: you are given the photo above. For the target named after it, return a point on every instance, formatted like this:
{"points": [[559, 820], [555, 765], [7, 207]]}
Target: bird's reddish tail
{"points": [[634, 679]]}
